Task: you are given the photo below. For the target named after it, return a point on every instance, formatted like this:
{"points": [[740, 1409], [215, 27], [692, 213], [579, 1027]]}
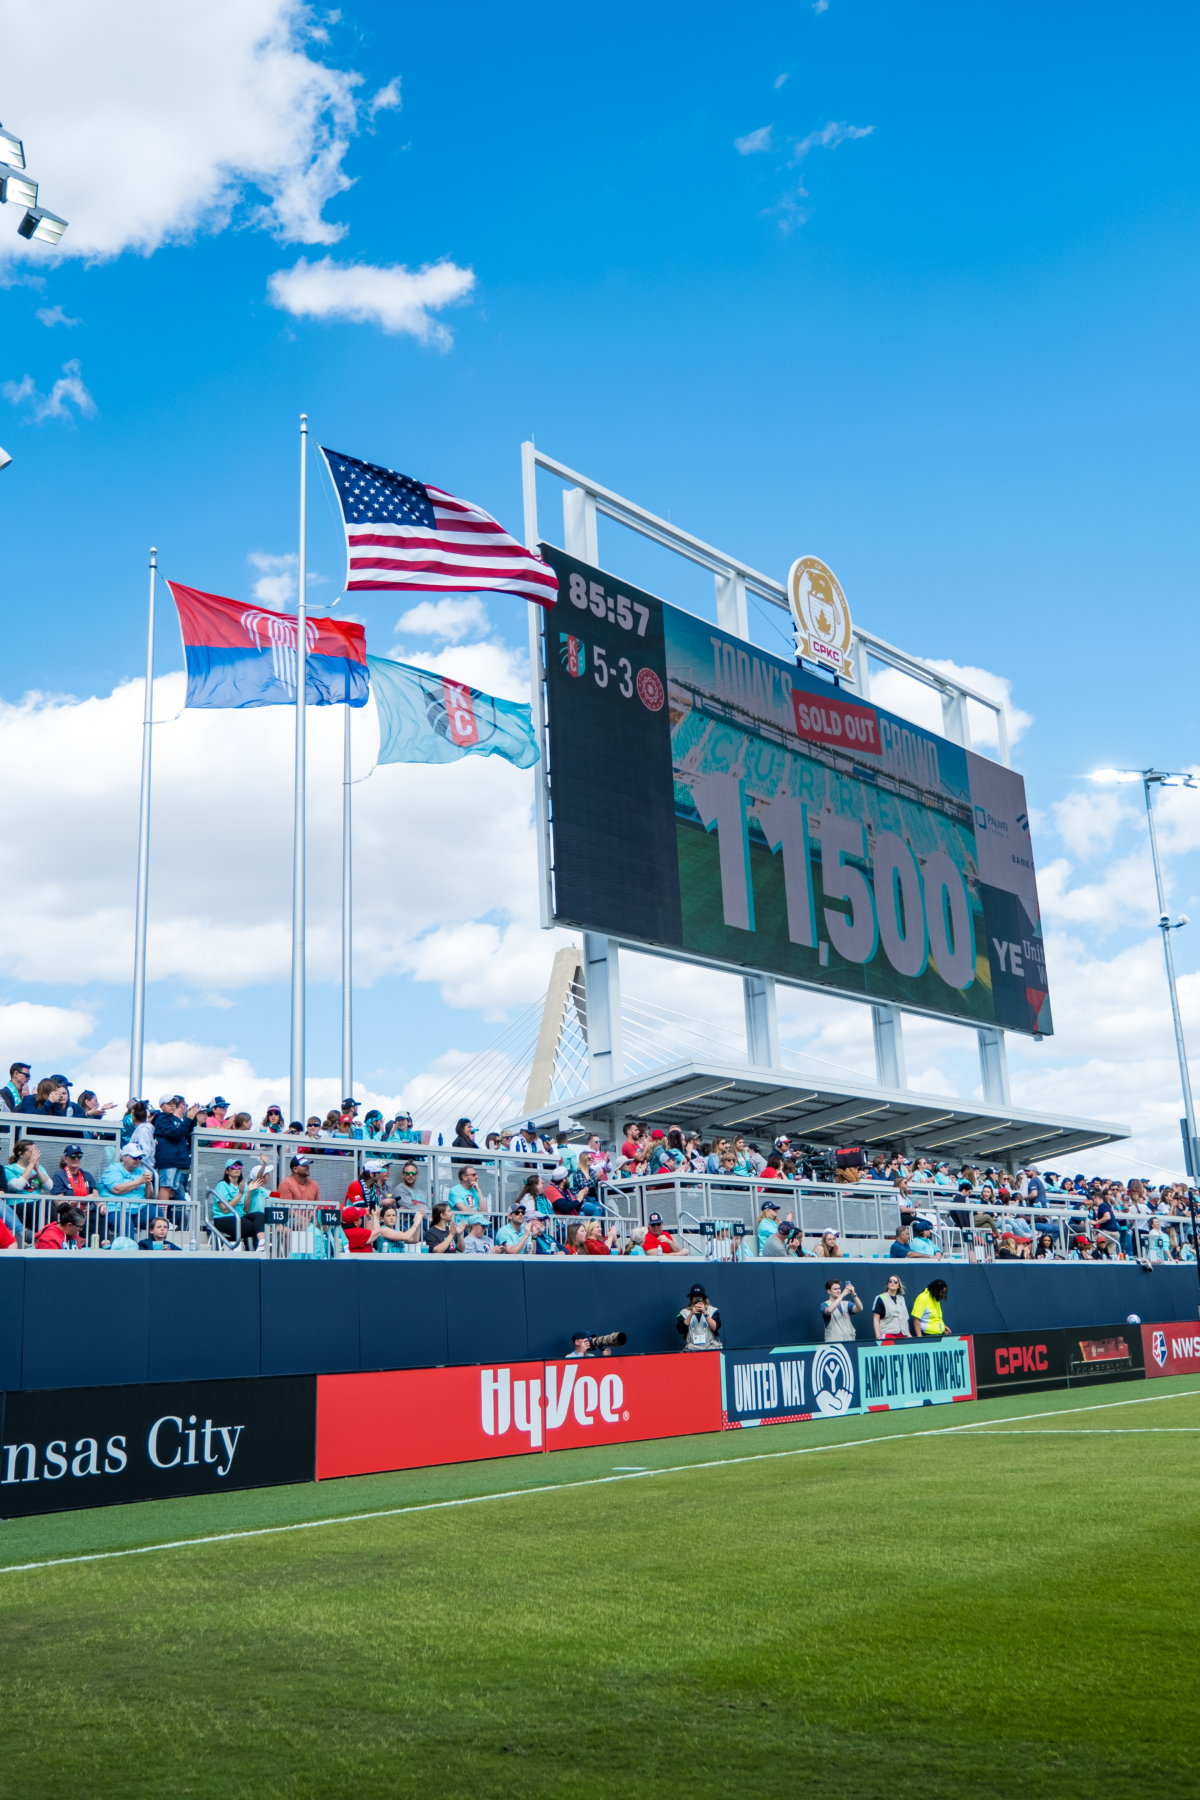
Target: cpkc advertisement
{"points": [[778, 822]]}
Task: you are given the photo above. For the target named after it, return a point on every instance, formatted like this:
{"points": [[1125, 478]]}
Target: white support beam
{"points": [[762, 1022], [858, 663], [579, 526], [993, 1066], [888, 1026], [732, 614], [602, 985], [954, 718]]}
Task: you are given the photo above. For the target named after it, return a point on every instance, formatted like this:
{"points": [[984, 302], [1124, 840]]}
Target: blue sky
{"points": [[913, 291]]}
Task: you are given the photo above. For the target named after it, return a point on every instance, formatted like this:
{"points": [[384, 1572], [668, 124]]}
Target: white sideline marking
{"points": [[1092, 1431], [563, 1487]]}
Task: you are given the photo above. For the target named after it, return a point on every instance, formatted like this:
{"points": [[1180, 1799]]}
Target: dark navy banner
{"points": [[774, 1387]]}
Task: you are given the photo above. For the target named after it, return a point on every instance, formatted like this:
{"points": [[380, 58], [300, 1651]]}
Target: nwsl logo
{"points": [[1158, 1348]]}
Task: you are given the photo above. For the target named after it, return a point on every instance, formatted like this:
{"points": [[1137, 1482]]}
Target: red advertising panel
{"points": [[412, 1418], [614, 1400], [1172, 1349]]}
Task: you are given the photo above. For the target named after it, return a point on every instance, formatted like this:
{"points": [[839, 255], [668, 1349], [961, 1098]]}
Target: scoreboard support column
{"points": [[762, 1022], [888, 1026], [602, 986], [993, 1066]]}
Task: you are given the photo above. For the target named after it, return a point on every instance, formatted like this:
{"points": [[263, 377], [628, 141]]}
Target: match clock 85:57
{"points": [[591, 597]]}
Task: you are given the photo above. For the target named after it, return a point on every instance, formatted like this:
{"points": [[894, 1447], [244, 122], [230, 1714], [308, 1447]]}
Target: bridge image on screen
{"points": [[711, 798]]}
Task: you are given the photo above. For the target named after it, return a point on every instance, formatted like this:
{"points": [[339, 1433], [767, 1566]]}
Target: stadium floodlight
{"points": [[16, 187], [44, 227], [5, 458], [1151, 779], [12, 150]]}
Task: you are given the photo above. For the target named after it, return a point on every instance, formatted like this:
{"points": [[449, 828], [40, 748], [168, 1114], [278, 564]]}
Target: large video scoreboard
{"points": [[710, 798]]}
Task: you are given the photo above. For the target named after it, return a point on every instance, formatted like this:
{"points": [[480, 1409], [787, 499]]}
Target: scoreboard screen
{"points": [[710, 798]]}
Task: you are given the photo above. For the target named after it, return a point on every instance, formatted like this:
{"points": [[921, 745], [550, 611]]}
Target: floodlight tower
{"points": [[1151, 779]]}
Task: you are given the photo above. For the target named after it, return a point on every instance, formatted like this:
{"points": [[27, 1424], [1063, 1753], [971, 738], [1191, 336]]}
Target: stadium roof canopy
{"points": [[762, 1104]]}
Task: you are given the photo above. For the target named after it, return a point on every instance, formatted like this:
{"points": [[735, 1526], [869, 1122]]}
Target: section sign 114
{"points": [[711, 798]]}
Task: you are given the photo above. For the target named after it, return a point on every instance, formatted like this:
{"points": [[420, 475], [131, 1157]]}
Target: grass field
{"points": [[897, 1606]]}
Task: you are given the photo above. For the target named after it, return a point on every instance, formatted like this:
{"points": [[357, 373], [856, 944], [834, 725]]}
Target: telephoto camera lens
{"points": [[608, 1340]]}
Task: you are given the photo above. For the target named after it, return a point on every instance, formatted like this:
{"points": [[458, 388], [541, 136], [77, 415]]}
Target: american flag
{"points": [[408, 537]]}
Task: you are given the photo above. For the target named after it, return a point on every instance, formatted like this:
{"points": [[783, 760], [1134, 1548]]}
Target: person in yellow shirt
{"points": [[927, 1317]]}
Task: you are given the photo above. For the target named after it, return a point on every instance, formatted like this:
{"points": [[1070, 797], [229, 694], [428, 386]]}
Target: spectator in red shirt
{"points": [[65, 1234], [631, 1146], [595, 1242], [362, 1197], [660, 1241], [773, 1168]]}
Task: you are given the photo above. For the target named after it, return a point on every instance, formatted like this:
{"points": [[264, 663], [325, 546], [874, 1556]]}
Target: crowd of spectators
{"points": [[562, 1209]]}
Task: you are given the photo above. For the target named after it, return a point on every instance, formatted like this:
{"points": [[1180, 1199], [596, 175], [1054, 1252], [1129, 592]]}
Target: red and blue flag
{"points": [[240, 655]]}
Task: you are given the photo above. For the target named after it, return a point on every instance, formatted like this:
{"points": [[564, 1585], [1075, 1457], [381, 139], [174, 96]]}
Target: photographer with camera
{"points": [[699, 1323], [836, 1311], [594, 1345]]}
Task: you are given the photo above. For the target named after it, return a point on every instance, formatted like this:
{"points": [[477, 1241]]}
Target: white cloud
{"points": [[1088, 822], [40, 1034], [216, 923], [396, 298], [54, 315], [451, 620], [780, 79], [755, 141], [157, 122], [276, 584], [387, 99], [67, 391], [912, 699], [820, 6], [828, 138]]}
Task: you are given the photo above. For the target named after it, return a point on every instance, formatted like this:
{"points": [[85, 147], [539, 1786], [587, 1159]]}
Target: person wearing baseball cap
{"points": [[71, 1180], [227, 1196], [299, 1185], [698, 1322], [513, 1239], [658, 1241], [768, 1221], [363, 1197]]}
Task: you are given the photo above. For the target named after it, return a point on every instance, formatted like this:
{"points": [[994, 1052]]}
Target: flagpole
{"points": [[347, 919], [296, 1094], [138, 1031]]}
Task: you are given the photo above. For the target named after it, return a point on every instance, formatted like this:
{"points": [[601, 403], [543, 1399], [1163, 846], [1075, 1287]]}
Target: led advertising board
{"points": [[712, 799]]}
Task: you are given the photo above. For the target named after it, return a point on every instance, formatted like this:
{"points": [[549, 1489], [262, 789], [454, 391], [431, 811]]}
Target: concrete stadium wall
{"points": [[92, 1321]]}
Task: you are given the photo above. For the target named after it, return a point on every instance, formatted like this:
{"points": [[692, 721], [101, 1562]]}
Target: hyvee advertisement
{"points": [[783, 823], [412, 1418]]}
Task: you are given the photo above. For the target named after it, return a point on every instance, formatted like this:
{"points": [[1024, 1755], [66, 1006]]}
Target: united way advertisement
{"points": [[921, 1373], [777, 1387], [777, 822]]}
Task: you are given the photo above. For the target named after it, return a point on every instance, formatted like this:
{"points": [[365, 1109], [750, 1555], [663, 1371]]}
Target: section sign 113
{"points": [[711, 798]]}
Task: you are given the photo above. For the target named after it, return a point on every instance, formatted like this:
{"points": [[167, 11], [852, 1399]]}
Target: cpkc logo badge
{"points": [[822, 614]]}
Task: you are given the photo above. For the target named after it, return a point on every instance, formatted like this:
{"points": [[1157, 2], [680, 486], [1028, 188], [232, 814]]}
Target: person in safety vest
{"points": [[927, 1317], [699, 1323]]}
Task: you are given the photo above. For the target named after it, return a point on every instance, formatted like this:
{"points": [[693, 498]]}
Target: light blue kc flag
{"points": [[431, 718]]}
